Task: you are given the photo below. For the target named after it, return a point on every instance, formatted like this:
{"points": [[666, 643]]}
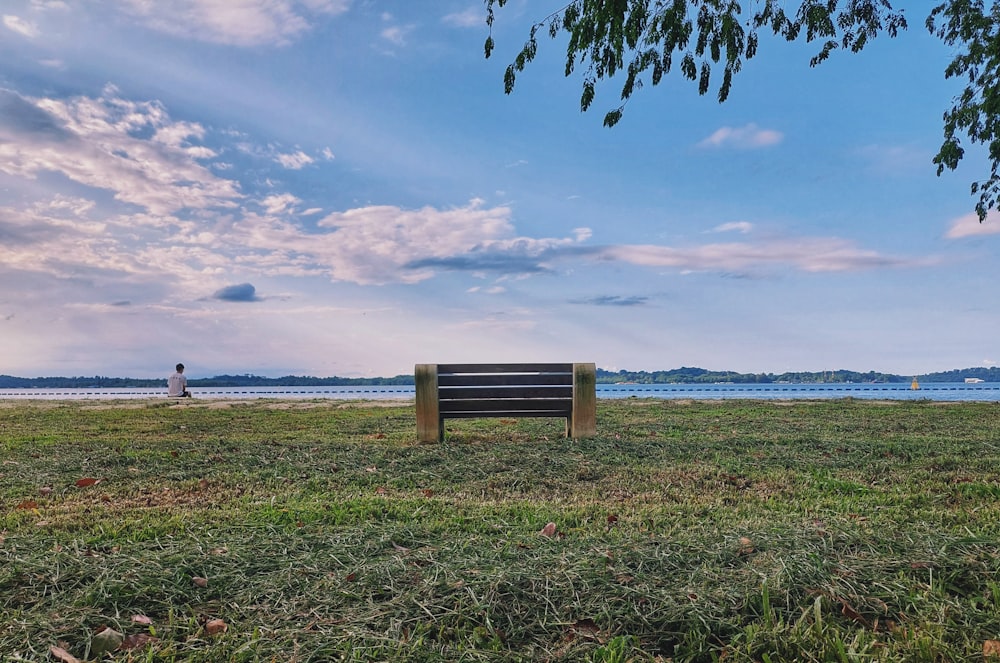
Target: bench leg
{"points": [[583, 422], [430, 428]]}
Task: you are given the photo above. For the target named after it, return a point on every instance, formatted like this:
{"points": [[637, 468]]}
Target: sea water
{"points": [[934, 391]]}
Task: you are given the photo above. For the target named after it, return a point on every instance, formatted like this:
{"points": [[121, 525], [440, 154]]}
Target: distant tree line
{"points": [[102, 382], [684, 375]]}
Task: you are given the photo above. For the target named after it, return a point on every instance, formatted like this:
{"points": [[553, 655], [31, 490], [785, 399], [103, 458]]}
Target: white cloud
{"points": [[467, 18], [969, 226], [396, 34], [279, 204], [100, 143], [294, 161], [735, 226], [20, 26], [809, 254], [44, 5], [746, 137], [233, 22], [377, 244]]}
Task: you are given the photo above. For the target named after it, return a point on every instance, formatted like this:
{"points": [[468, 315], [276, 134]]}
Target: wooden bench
{"points": [[464, 391]]}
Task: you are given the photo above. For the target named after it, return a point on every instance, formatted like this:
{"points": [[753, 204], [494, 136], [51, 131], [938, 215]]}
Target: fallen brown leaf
{"points": [[141, 619], [548, 530], [63, 655], [215, 626], [27, 505], [44, 490], [88, 481], [847, 611], [199, 581], [137, 640], [427, 492], [991, 649]]}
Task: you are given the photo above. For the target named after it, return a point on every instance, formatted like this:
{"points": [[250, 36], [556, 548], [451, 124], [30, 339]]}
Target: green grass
{"points": [[687, 531]]}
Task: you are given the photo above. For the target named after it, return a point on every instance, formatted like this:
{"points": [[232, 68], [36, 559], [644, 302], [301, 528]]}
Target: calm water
{"points": [[938, 391]]}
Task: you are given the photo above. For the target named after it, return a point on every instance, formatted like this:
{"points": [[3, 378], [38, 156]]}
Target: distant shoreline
{"points": [[682, 375]]}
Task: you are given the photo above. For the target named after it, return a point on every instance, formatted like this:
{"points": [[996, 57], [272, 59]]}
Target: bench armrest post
{"points": [[584, 420], [429, 428]]}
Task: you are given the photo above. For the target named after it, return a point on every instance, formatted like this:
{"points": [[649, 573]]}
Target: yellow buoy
{"points": [[914, 384]]}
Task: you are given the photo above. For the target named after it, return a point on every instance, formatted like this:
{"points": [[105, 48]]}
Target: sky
{"points": [[341, 187]]}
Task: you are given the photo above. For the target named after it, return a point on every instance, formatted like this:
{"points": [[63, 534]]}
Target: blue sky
{"points": [[340, 187]]}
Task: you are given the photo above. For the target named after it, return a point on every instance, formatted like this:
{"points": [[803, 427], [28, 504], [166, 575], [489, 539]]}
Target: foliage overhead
{"points": [[647, 39], [975, 35]]}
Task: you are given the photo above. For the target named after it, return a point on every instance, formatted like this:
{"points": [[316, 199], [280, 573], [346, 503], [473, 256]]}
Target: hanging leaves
{"points": [[603, 35]]}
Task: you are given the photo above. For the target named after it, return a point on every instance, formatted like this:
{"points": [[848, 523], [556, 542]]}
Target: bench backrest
{"points": [[454, 391], [525, 390]]}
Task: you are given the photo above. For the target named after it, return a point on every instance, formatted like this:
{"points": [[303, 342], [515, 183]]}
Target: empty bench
{"points": [[466, 391]]}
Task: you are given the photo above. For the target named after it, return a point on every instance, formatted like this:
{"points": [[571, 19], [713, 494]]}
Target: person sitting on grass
{"points": [[177, 384]]}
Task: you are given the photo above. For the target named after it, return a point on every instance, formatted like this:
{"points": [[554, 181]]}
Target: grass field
{"points": [[320, 531]]}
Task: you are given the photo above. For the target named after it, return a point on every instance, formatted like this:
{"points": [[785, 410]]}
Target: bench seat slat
{"points": [[533, 391], [564, 405], [519, 414], [504, 368], [505, 379]]}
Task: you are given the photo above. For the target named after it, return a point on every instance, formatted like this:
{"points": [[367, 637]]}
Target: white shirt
{"points": [[176, 384]]}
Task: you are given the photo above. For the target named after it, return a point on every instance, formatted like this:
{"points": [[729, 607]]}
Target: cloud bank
{"points": [[243, 23], [177, 221]]}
